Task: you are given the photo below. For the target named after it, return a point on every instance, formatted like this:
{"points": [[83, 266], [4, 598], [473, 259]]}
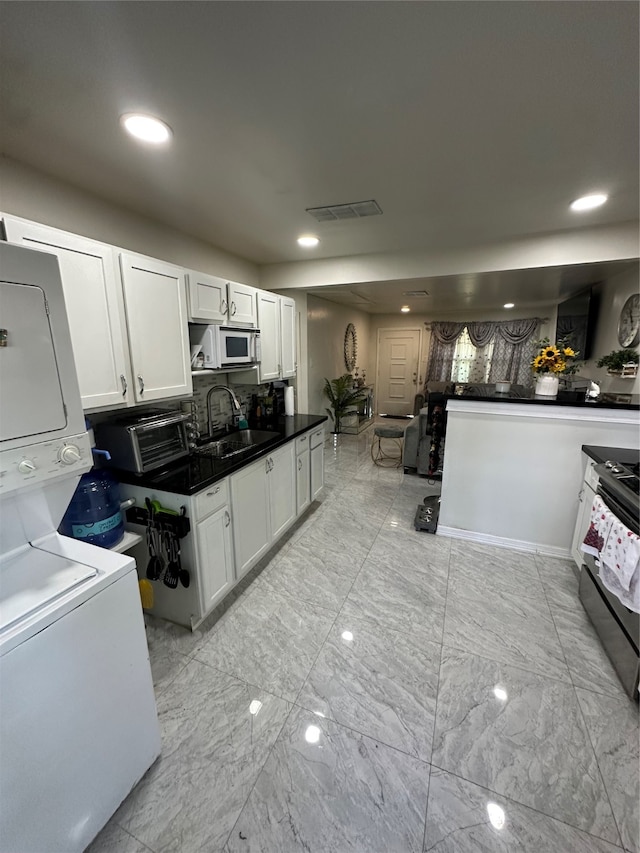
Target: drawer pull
{"points": [[304, 438], [214, 492], [227, 518]]}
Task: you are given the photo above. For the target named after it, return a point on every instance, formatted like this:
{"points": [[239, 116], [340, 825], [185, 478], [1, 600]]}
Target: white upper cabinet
{"points": [[217, 300], [288, 361], [269, 325], [93, 299], [242, 305], [156, 306], [277, 323], [207, 298]]}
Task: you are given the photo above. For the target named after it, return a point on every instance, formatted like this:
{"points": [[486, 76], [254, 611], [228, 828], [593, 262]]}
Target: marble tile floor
{"points": [[373, 688]]}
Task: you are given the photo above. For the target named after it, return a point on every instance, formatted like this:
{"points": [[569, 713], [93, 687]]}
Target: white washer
{"points": [[78, 721]]}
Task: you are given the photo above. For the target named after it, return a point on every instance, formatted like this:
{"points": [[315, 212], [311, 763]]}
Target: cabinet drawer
{"points": [[302, 443], [317, 436], [211, 499]]}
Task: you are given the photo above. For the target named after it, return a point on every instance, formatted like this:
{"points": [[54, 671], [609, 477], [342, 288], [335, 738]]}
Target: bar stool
{"points": [[387, 457]]}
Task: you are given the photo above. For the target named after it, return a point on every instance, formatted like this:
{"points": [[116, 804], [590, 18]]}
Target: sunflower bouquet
{"points": [[554, 358]]}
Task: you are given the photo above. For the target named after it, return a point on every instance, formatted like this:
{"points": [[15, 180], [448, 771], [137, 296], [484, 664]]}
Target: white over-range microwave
{"points": [[217, 347]]}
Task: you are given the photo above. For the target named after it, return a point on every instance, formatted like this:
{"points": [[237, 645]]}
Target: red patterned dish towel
{"points": [[598, 532], [617, 553]]}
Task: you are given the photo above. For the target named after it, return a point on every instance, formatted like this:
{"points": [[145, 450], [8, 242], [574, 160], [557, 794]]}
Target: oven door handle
{"points": [[618, 510]]}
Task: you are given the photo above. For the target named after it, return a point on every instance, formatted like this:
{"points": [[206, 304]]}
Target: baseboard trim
{"points": [[502, 542]]}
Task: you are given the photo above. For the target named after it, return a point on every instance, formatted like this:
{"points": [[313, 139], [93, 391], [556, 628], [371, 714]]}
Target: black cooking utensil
{"points": [[154, 544], [171, 575]]}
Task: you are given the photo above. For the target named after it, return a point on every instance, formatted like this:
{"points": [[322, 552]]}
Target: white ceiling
{"points": [[468, 122]]}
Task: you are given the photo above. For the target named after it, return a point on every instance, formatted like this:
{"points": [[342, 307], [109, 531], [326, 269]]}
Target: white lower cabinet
{"points": [[282, 490], [316, 442], [263, 500], [303, 473], [215, 557], [234, 522], [585, 502], [250, 506]]}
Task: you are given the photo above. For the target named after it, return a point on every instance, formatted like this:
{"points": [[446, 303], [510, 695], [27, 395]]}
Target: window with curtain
{"points": [[482, 351], [471, 363]]}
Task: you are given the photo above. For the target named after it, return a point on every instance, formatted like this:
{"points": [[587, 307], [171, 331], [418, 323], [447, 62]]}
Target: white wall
{"points": [[326, 325], [512, 472], [613, 295], [34, 195]]}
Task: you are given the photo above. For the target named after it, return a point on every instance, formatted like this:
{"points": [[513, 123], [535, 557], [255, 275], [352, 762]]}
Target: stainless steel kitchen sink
{"points": [[236, 443]]}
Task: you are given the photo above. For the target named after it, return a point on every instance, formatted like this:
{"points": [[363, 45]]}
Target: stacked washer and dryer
{"points": [[78, 721]]}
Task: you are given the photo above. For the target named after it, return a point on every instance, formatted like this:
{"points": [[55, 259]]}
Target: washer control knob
{"points": [[26, 466], [69, 454]]}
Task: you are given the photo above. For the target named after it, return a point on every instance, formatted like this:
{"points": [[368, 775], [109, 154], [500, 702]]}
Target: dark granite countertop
{"points": [[195, 472], [564, 398], [623, 455]]}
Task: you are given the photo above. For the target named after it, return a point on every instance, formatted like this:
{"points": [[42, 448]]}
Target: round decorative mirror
{"points": [[350, 347]]}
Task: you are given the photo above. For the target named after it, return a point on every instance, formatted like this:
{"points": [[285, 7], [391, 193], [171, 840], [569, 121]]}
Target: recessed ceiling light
{"points": [[309, 241], [405, 309], [587, 202], [146, 128], [508, 305]]}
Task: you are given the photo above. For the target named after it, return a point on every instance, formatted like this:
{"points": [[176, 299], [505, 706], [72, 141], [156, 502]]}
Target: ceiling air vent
{"points": [[416, 293], [354, 210]]}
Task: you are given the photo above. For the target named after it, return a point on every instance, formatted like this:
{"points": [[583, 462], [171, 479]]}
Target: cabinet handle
{"points": [[227, 518], [299, 464], [123, 379], [233, 308], [214, 492], [224, 306], [270, 464], [303, 438], [141, 381], [266, 464]]}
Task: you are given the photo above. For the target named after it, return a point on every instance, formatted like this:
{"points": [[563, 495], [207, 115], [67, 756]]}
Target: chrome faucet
{"points": [[235, 405]]}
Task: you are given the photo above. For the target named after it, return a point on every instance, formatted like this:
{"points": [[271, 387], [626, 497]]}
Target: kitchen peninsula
{"points": [[513, 465]]}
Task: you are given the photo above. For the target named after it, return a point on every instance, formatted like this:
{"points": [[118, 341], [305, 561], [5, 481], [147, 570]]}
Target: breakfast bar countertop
{"points": [[196, 472], [563, 398]]}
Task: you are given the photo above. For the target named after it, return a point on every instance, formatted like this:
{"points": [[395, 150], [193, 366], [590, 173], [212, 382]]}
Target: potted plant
{"points": [[551, 361], [616, 361], [342, 396]]}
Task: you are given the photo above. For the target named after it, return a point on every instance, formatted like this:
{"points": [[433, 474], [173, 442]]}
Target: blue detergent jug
{"points": [[94, 514]]}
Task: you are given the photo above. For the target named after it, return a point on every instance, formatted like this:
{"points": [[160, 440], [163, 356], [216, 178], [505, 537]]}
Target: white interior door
{"points": [[397, 370]]}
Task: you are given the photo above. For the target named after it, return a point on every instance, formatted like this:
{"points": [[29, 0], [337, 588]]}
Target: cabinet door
{"points": [[156, 304], [582, 523], [215, 557], [250, 508], [288, 337], [303, 484], [242, 305], [93, 299], [282, 489], [269, 324], [207, 298], [317, 470]]}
